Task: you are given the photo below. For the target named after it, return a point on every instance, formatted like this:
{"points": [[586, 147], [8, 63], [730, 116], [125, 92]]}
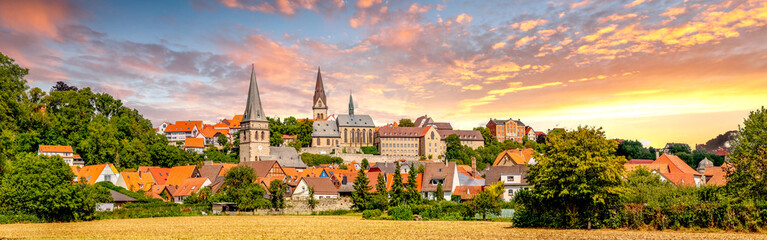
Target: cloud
{"points": [[499, 45], [285, 7], [617, 18], [515, 87], [634, 3], [473, 87], [528, 25], [463, 18]]}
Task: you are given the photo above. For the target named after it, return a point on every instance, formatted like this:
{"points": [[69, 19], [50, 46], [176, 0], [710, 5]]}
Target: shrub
{"points": [[371, 214], [401, 212], [370, 150], [333, 212]]}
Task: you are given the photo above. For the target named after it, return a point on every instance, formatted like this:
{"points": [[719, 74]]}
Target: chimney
{"points": [[474, 165]]}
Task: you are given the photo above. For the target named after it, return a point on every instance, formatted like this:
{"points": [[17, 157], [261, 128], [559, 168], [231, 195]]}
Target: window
{"points": [[328, 141], [107, 178], [509, 178], [511, 191]]}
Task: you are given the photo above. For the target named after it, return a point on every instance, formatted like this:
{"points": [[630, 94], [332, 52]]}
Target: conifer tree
{"points": [[361, 194], [397, 194]]}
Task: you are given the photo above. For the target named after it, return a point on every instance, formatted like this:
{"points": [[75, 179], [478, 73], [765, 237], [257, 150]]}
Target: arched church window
{"points": [[262, 136]]}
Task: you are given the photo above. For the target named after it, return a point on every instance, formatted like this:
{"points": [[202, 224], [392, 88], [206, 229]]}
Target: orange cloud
{"points": [[463, 18], [35, 17], [634, 3], [529, 24], [514, 87], [524, 40], [617, 18], [499, 45]]}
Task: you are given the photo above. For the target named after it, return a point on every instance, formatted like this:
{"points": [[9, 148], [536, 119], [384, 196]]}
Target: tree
{"points": [[746, 172], [578, 176], [240, 187], [361, 194], [43, 186], [453, 147], [365, 164], [634, 150], [486, 202], [397, 193], [277, 194], [675, 148], [311, 201], [381, 197], [439, 195], [413, 195], [222, 140], [489, 138], [406, 123], [61, 86]]}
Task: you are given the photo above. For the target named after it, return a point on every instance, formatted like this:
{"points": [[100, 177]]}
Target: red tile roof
{"points": [[91, 173], [209, 131], [194, 143], [180, 173], [189, 186], [55, 149], [183, 126], [467, 192], [641, 161], [160, 175]]}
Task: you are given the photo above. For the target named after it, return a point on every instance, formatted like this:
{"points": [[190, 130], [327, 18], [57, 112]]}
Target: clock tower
{"points": [[254, 128]]}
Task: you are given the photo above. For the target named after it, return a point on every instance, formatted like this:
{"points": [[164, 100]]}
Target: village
{"points": [[419, 149]]}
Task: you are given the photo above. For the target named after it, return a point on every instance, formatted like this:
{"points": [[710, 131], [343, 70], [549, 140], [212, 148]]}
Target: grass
{"points": [[322, 227]]}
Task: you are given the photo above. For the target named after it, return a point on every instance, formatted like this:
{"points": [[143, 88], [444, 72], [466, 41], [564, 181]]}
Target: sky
{"points": [[652, 70]]}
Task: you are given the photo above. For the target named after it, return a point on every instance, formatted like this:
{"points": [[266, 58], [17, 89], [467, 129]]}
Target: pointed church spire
{"points": [[351, 104], [319, 92], [253, 109]]}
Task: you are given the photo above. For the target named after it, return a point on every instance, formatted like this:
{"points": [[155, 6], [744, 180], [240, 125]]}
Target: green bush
{"points": [[401, 212], [371, 214], [316, 159], [370, 150], [154, 209], [12, 217]]}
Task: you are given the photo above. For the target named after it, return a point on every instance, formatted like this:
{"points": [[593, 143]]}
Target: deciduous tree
{"points": [[747, 171]]}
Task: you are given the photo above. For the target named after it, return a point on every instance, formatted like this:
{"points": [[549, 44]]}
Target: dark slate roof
{"points": [[253, 109], [423, 121], [325, 129], [386, 167], [519, 123], [319, 90], [464, 135], [493, 174], [356, 120], [438, 171], [499, 122], [119, 197], [286, 156]]}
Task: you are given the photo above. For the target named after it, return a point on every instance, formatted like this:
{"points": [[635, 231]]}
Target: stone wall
{"points": [[301, 207]]}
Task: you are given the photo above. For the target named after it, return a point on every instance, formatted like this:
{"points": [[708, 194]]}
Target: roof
{"points": [[438, 171], [179, 173], [191, 185], [92, 172], [517, 156], [467, 192], [319, 90], [291, 172], [194, 142], [676, 164], [641, 161], [210, 171], [405, 176], [466, 179], [209, 131], [715, 176], [119, 197], [137, 180], [288, 136], [56, 148], [657, 167], [422, 121], [464, 135], [235, 122], [356, 120], [402, 132], [183, 126], [322, 186], [160, 175], [286, 156], [253, 109], [493, 175], [325, 129], [262, 168], [442, 125]]}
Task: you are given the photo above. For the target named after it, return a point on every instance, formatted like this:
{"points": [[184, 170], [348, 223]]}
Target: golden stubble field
{"points": [[322, 227]]}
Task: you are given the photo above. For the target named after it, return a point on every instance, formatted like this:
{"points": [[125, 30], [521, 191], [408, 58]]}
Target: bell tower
{"points": [[254, 128], [320, 103]]}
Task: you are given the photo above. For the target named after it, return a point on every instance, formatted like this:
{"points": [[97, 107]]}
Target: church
{"points": [[346, 130], [255, 133]]}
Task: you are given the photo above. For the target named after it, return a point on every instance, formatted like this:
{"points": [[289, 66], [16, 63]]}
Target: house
{"points": [[286, 156], [188, 187], [670, 168], [323, 188], [234, 124], [265, 169], [471, 138], [436, 173], [211, 133], [160, 175], [178, 174], [98, 173], [287, 139], [514, 179], [507, 129], [468, 192], [211, 171], [182, 130], [195, 144], [162, 127], [410, 141], [405, 180], [716, 175], [136, 181], [513, 157], [118, 200], [65, 152]]}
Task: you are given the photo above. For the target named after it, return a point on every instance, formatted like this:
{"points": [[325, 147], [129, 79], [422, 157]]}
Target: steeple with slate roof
{"points": [[351, 105], [320, 101], [253, 109]]}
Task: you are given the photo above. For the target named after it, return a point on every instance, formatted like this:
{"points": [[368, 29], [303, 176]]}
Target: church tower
{"points": [[351, 105], [254, 128], [320, 103]]}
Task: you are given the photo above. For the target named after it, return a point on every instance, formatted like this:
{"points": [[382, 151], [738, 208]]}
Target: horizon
{"points": [[653, 71]]}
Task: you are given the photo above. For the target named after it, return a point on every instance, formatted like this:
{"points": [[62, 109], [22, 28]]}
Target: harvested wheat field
{"points": [[322, 227]]}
